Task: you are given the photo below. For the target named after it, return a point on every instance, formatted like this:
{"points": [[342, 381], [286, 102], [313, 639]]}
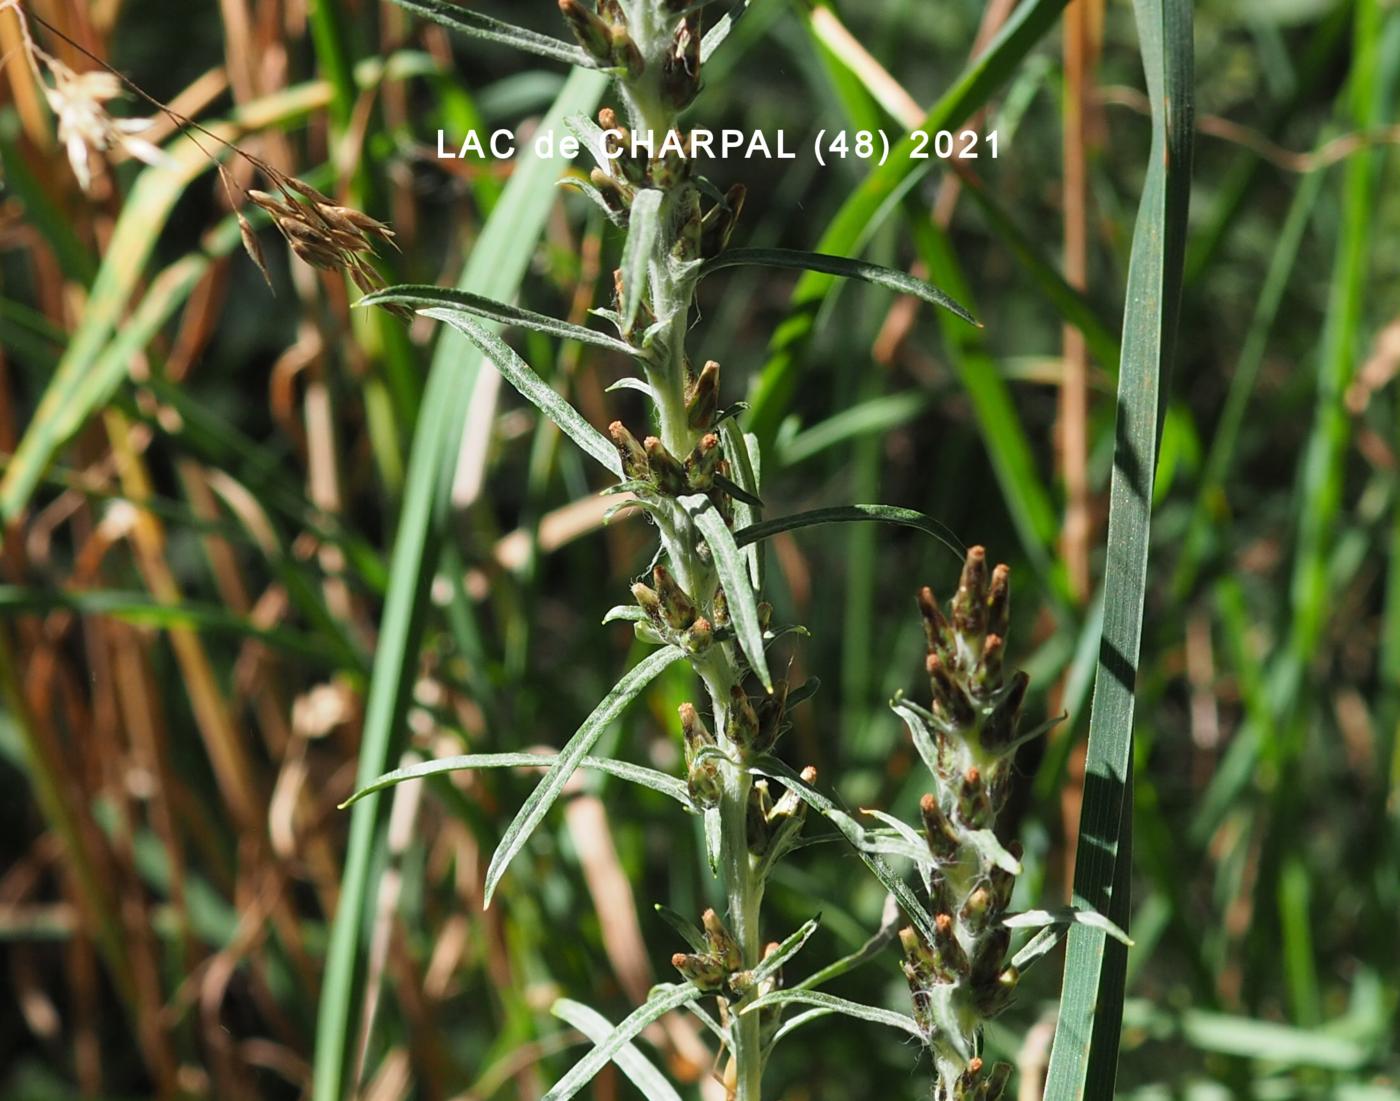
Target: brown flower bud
{"points": [[703, 400], [634, 456]]}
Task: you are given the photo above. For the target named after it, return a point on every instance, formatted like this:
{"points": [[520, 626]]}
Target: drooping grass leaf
{"points": [[847, 514], [844, 1006], [643, 227], [1065, 917], [734, 576], [632, 1062], [458, 18], [663, 999], [548, 789], [623, 770], [841, 266], [423, 297], [1083, 1060], [533, 388]]}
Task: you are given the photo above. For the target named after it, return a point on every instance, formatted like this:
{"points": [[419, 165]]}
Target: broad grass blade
{"points": [[1083, 1060]]}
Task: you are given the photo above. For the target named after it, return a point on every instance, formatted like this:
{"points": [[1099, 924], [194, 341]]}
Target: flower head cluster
{"points": [[967, 738]]}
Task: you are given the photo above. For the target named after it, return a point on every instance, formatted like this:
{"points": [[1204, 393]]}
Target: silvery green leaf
{"points": [[577, 183], [729, 412], [986, 843], [1039, 946], [890, 921], [709, 1022], [733, 575], [747, 500], [845, 514], [421, 297], [1064, 917], [591, 137], [630, 1061], [791, 1025], [687, 929], [911, 837], [629, 383], [533, 388], [947, 1024], [643, 227], [628, 613], [714, 838], [785, 951], [915, 719], [830, 1002], [720, 31], [846, 268], [623, 770], [661, 1001], [469, 22], [548, 789], [777, 770]]}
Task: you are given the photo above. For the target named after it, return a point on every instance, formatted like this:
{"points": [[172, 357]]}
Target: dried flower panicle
{"points": [[970, 732]]}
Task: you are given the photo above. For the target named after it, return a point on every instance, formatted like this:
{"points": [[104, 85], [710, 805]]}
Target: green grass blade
{"points": [[533, 388], [427, 296], [1083, 1060], [548, 789], [495, 268], [638, 774], [840, 266], [733, 574]]}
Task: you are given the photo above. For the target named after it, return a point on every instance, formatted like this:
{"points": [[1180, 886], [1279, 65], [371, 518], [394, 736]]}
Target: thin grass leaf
{"points": [[623, 770], [849, 514], [786, 950], [1039, 946], [548, 789], [841, 266], [533, 388], [1084, 1057], [495, 268], [791, 1025], [643, 227], [775, 769], [458, 18], [734, 576], [747, 501], [663, 999], [630, 1061], [833, 1004], [426, 296]]}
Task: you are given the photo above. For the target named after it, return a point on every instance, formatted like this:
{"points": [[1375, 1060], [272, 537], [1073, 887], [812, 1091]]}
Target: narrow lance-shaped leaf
{"points": [[633, 1063], [786, 950], [623, 770], [775, 769], [519, 374], [423, 297], [663, 999], [887, 1017], [734, 576], [548, 789], [643, 226], [842, 266], [458, 18], [848, 514]]}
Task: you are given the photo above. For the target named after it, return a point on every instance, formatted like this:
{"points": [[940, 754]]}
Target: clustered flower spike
{"points": [[962, 977]]}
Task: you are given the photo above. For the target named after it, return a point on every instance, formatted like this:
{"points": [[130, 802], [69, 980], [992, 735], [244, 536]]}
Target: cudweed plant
{"points": [[695, 474]]}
